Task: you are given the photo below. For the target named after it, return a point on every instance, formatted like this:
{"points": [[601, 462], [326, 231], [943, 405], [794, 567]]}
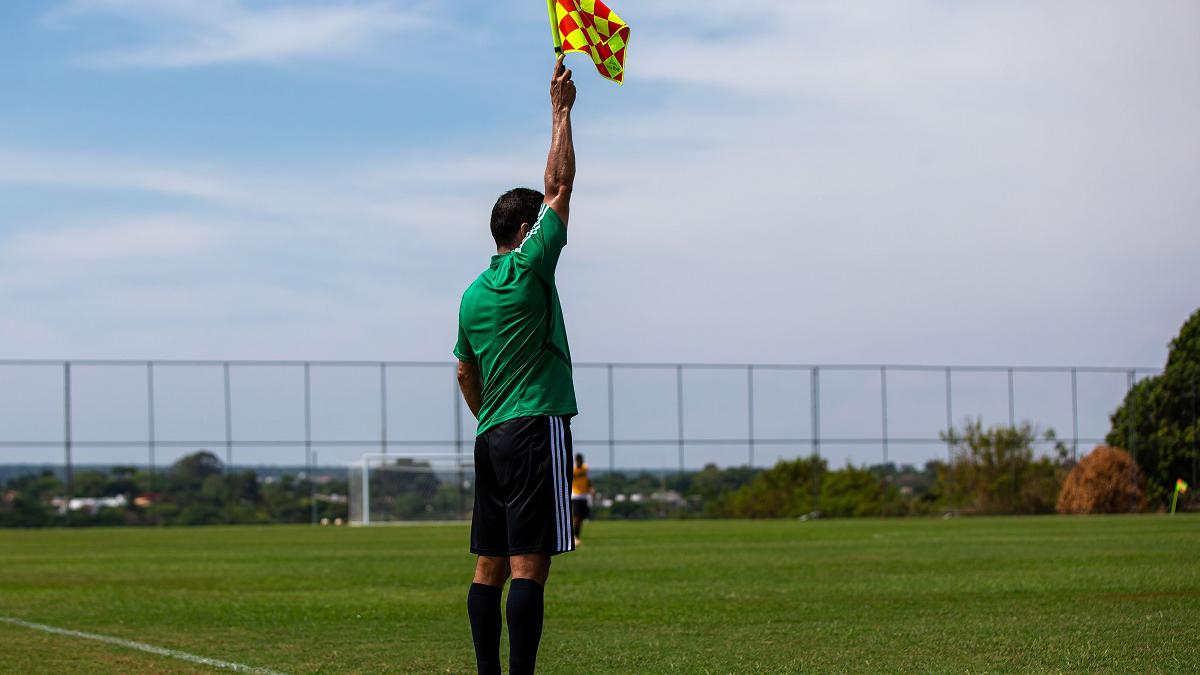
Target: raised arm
{"points": [[560, 165]]}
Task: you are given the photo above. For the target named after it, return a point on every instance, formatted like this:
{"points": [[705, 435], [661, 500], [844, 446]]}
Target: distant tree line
{"points": [[991, 471], [196, 490], [407, 489]]}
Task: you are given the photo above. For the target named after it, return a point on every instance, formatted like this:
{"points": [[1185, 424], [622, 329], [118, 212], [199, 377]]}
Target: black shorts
{"points": [[580, 508], [523, 488]]}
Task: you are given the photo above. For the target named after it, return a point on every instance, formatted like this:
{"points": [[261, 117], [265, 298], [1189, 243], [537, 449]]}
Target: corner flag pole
{"points": [[554, 26]]}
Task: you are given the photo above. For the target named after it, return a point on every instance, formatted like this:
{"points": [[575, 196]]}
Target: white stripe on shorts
{"points": [[558, 473], [568, 532]]}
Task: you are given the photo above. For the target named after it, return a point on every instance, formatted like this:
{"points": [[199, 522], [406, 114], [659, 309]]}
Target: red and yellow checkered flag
{"points": [[590, 27]]}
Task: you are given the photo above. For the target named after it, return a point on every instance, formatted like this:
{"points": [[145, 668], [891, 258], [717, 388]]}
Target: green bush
{"points": [[784, 491], [858, 492]]}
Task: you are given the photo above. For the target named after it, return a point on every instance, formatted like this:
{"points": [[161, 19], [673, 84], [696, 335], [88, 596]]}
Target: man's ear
{"points": [[524, 232]]}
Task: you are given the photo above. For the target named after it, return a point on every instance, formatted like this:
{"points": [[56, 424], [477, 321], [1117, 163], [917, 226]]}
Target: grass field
{"points": [[1117, 594]]}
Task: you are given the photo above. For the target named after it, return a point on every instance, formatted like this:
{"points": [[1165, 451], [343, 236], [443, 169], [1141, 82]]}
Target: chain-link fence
{"points": [[633, 416]]}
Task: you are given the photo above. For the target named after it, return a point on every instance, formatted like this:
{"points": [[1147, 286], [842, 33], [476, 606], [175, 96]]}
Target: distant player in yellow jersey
{"points": [[581, 496]]}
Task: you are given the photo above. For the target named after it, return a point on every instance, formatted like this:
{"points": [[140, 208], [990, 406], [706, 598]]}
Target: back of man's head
{"points": [[512, 209], [579, 459]]}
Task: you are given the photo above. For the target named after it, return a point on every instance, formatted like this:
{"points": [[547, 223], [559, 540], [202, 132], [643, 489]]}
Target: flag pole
{"points": [[554, 26]]}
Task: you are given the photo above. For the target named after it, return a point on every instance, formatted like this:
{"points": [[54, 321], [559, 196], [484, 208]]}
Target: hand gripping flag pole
{"points": [[590, 27]]}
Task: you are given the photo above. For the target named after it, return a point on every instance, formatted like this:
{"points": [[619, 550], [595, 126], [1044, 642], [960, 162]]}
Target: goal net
{"points": [[404, 488]]}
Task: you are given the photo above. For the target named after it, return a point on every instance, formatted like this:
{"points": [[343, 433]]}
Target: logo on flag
{"points": [[590, 27]]}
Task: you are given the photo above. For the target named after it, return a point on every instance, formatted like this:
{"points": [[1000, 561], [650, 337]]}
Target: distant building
{"points": [[147, 500], [671, 497], [89, 504]]}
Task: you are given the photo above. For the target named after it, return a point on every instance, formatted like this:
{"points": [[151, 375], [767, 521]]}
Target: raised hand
{"points": [[562, 89]]}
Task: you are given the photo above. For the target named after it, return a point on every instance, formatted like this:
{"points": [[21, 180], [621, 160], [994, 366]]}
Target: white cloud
{"points": [[423, 200], [902, 54], [913, 182], [139, 237], [184, 33]]}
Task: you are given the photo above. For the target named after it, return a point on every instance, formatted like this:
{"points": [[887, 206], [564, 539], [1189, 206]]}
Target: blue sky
{"points": [[777, 182]]}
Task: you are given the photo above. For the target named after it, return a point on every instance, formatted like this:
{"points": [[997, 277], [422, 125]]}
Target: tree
{"points": [[90, 484], [707, 488], [786, 490], [25, 501], [854, 491], [123, 480], [189, 472], [1158, 421], [994, 471]]}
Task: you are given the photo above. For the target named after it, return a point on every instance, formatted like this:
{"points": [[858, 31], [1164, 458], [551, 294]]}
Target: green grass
{"points": [[1116, 594]]}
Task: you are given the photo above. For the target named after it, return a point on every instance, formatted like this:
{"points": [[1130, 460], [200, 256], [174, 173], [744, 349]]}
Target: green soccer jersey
{"points": [[511, 324]]}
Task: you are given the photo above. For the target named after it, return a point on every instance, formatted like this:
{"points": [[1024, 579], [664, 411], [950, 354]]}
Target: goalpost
{"points": [[408, 487]]}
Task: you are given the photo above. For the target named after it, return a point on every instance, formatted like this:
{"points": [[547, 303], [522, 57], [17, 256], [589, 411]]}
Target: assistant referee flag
{"points": [[590, 27]]}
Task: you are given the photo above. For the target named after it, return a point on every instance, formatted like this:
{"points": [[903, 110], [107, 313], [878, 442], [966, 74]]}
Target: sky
{"points": [[919, 182]]}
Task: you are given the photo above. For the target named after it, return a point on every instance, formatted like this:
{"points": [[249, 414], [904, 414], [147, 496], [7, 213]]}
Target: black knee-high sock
{"points": [[525, 610], [483, 607]]}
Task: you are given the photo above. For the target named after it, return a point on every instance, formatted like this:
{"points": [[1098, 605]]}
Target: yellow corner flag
{"points": [[1180, 488], [590, 27]]}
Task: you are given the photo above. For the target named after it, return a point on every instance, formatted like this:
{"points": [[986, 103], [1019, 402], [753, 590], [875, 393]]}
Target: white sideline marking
{"points": [[141, 646]]}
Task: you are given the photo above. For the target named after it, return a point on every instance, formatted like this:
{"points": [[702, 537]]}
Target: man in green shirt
{"points": [[514, 369]]}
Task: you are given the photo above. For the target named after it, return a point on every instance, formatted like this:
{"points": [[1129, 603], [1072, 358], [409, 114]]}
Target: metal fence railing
{"points": [[660, 416]]}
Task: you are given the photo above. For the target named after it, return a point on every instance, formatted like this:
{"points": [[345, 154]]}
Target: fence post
{"points": [[383, 413], [679, 400], [228, 421], [70, 477], [309, 456], [1012, 423], [816, 437], [949, 416], [612, 442], [949, 431], [1012, 401], [883, 401], [150, 433], [1074, 414], [750, 410]]}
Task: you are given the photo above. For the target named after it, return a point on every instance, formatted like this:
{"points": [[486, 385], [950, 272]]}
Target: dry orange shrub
{"points": [[1106, 481]]}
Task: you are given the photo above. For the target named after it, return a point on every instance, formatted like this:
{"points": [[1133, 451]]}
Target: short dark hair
{"points": [[579, 458], [517, 206]]}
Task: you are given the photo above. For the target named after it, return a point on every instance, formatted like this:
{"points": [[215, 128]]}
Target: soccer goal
{"points": [[397, 488]]}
